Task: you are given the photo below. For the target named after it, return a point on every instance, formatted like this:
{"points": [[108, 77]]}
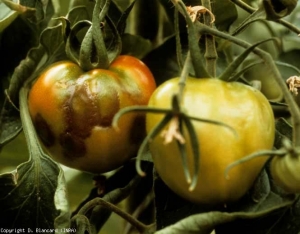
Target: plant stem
{"points": [[244, 6], [193, 38], [250, 10], [210, 46], [177, 37], [142, 228], [294, 109], [184, 74]]}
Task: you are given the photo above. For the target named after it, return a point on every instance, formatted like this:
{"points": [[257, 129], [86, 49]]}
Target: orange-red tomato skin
{"points": [[72, 111]]}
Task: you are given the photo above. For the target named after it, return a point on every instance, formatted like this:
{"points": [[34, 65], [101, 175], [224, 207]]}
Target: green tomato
{"points": [[243, 108]]}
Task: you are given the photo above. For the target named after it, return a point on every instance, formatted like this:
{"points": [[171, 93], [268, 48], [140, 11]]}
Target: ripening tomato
{"points": [[243, 108], [72, 112]]}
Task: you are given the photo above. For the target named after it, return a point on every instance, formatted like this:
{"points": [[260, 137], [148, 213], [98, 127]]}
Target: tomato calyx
{"points": [[177, 119], [93, 52]]}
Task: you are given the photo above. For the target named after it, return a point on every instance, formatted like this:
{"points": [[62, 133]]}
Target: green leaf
{"points": [[77, 14], [52, 39], [38, 12], [40, 7], [23, 72], [33, 195], [114, 11], [205, 223], [51, 42], [73, 45], [162, 61], [10, 123], [290, 43], [226, 14], [135, 45], [283, 130], [122, 19]]}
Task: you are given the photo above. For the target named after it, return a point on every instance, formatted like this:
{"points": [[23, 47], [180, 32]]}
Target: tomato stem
{"points": [[210, 45], [226, 75], [184, 74], [193, 39], [177, 37], [251, 10], [261, 153], [111, 207]]}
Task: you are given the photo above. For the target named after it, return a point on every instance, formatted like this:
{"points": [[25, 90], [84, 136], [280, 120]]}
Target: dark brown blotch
{"points": [[79, 125], [44, 131], [73, 146]]}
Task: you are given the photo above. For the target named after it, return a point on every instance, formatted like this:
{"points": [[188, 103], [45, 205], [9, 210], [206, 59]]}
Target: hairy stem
{"points": [[142, 228], [250, 10], [210, 46]]}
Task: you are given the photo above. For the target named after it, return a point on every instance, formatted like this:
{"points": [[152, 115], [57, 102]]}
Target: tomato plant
{"points": [[218, 146], [72, 111], [243, 108]]}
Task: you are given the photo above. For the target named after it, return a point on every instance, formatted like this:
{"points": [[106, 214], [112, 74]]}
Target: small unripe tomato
{"points": [[241, 107], [72, 112], [285, 172]]}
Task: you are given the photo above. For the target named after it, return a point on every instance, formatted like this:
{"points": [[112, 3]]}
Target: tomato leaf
{"points": [[73, 44], [206, 222], [114, 11], [283, 130], [135, 45], [77, 14], [121, 21], [226, 12], [38, 12], [33, 195], [162, 61], [52, 39], [10, 123], [52, 42]]}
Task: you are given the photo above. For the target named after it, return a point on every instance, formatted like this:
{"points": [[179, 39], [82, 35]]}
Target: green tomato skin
{"points": [[243, 108], [285, 172]]}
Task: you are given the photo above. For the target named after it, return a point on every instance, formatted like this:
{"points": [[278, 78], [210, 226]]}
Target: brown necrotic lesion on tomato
{"points": [[72, 111]]}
